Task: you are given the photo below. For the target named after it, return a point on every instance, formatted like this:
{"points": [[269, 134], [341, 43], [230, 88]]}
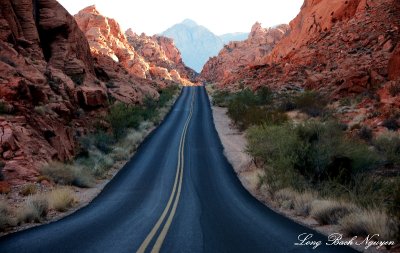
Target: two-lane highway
{"points": [[177, 194]]}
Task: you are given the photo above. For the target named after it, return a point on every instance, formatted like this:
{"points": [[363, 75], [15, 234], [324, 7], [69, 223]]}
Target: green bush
{"points": [[167, 94], [318, 151], [221, 98], [101, 140], [124, 116], [311, 103], [389, 146]]}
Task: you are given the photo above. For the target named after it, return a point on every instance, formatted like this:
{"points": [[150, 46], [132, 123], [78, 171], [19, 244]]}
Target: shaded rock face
{"points": [[239, 54], [394, 64], [341, 48], [51, 87]]}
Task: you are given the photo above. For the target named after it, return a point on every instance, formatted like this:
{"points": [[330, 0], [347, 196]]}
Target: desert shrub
{"points": [[6, 219], [311, 103], [166, 95], [391, 124], [369, 222], [330, 211], [28, 189], [318, 151], [285, 198], [67, 174], [258, 115], [102, 164], [389, 146], [221, 98], [302, 203], [61, 199], [34, 209], [365, 133], [122, 116], [101, 140], [120, 154]]}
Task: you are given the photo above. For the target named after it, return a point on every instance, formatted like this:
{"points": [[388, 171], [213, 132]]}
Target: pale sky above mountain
{"points": [[220, 16]]}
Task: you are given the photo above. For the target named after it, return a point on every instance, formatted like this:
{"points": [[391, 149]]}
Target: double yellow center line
{"points": [[176, 190]]}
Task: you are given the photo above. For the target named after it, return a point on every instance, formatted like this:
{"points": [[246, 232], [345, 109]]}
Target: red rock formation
{"points": [[394, 64], [141, 56], [238, 54], [341, 48], [47, 75], [106, 38], [162, 55]]}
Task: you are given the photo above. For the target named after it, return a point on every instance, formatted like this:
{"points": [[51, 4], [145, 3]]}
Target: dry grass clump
{"points": [[285, 198], [66, 174], [302, 203], [6, 219], [61, 199], [34, 209], [369, 222], [28, 189], [299, 202], [330, 211]]}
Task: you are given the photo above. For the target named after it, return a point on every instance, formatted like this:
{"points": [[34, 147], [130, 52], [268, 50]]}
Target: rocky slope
{"points": [[107, 42], [340, 48], [238, 54], [52, 87], [162, 56]]}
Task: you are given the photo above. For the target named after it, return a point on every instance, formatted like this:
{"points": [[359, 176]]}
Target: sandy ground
{"points": [[235, 144]]}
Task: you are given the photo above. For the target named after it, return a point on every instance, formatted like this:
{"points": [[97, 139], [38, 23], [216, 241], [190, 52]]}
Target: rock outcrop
{"points": [[53, 83], [162, 56], [239, 54], [341, 48], [141, 56]]}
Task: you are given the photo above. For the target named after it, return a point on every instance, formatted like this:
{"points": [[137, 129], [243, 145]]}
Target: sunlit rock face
{"points": [[239, 54], [340, 48]]}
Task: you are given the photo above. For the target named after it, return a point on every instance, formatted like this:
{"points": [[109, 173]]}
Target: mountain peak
{"points": [[189, 22]]}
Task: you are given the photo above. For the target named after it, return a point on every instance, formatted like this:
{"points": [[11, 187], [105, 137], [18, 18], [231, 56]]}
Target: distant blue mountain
{"points": [[197, 44]]}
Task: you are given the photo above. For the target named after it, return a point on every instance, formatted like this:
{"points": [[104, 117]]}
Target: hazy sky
{"points": [[220, 16]]}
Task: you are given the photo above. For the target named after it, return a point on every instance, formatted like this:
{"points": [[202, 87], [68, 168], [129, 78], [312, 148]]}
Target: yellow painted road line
{"points": [[177, 184], [164, 231]]}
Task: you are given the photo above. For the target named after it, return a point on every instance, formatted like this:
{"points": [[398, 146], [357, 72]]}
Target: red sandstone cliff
{"points": [[51, 87], [238, 54], [343, 48]]}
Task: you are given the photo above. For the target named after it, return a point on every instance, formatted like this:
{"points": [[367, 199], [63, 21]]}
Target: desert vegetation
{"points": [[115, 137], [316, 166], [36, 206]]}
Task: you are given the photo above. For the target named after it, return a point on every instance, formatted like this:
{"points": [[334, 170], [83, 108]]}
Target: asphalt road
{"points": [[177, 194]]}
